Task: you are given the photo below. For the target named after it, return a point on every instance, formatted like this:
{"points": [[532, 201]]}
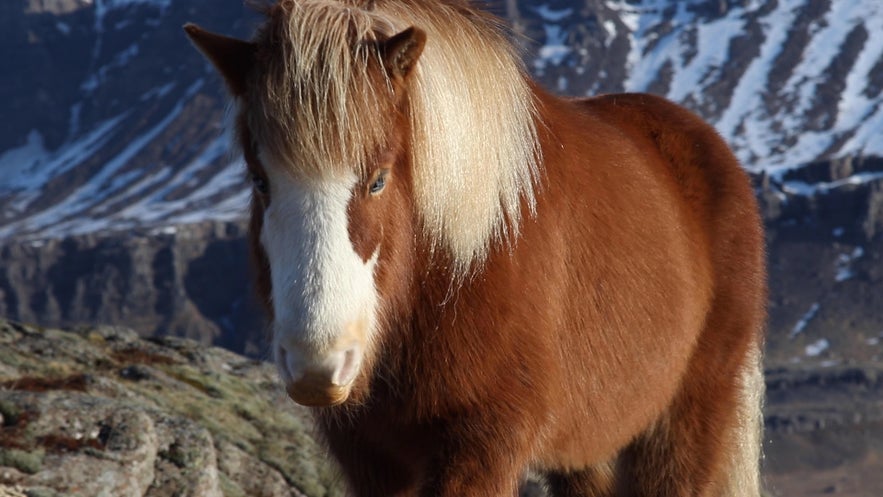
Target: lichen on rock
{"points": [[97, 411]]}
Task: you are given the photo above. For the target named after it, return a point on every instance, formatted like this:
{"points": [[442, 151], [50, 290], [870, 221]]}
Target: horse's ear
{"points": [[233, 58], [400, 52]]}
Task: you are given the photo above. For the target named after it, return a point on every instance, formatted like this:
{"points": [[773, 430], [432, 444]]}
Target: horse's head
{"points": [[322, 120]]}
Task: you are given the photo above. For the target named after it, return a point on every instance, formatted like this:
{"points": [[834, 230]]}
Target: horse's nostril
{"points": [[290, 363], [347, 369]]}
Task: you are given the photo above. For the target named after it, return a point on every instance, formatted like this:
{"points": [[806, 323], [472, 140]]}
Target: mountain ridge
{"points": [[115, 122]]}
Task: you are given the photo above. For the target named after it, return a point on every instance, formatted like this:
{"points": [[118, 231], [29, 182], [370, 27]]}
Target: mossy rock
{"points": [[168, 429]]}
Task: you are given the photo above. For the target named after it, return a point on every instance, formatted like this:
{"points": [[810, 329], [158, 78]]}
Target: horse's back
{"points": [[711, 183]]}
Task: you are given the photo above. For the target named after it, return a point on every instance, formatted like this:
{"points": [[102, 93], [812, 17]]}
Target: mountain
{"points": [[121, 203], [785, 82], [119, 196], [189, 281], [112, 121]]}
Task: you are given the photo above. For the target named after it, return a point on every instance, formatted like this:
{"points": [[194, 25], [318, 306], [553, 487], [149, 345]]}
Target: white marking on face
{"points": [[323, 293]]}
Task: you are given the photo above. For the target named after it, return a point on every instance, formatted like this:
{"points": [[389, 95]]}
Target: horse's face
{"points": [[334, 246], [336, 249]]}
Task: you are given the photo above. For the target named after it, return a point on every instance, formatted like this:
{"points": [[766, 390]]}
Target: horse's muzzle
{"points": [[314, 391], [319, 380]]}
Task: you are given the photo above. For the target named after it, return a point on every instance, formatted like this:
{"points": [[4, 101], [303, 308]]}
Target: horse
{"points": [[468, 278]]}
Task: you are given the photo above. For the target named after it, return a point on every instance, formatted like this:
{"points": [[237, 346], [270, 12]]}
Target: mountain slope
{"points": [[114, 121], [128, 122]]}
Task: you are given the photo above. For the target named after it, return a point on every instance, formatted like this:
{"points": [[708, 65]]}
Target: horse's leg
{"points": [[480, 458], [742, 467], [707, 443], [473, 475], [369, 470], [597, 481]]}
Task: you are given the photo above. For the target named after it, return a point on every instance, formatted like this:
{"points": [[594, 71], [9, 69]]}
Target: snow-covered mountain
{"points": [[785, 82], [111, 120], [114, 120], [111, 145]]}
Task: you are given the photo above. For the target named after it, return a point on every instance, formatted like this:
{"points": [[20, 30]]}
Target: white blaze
{"points": [[323, 292]]}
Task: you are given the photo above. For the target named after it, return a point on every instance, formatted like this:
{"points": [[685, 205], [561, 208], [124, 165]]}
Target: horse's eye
{"points": [[378, 184], [260, 184]]}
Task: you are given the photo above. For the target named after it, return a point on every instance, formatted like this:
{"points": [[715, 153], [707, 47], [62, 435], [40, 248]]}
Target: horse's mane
{"points": [[474, 143]]}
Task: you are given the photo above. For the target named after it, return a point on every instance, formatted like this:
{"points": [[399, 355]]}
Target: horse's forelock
{"points": [[319, 99], [323, 104]]}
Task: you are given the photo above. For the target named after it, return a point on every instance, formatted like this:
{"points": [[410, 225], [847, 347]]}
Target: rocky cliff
{"points": [[825, 253], [187, 281]]}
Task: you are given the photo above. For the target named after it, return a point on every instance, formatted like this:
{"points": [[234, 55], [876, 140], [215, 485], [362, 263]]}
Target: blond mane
{"points": [[320, 107]]}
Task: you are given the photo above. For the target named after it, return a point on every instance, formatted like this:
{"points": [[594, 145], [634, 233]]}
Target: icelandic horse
{"points": [[469, 278]]}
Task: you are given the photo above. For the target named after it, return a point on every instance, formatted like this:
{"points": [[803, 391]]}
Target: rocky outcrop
{"points": [[842, 197], [825, 252], [189, 281], [99, 412], [824, 430]]}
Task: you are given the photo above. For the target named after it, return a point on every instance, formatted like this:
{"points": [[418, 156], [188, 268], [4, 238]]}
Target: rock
{"points": [[99, 412], [873, 219], [10, 491]]}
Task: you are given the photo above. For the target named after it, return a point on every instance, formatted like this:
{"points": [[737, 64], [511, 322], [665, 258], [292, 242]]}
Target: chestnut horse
{"points": [[470, 278]]}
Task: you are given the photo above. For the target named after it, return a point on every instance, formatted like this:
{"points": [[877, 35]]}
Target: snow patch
{"points": [[816, 348], [159, 91], [713, 45], [30, 166], [122, 59], [803, 188], [667, 35], [804, 320], [548, 14], [68, 215], [610, 29], [754, 139], [555, 49], [844, 264]]}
